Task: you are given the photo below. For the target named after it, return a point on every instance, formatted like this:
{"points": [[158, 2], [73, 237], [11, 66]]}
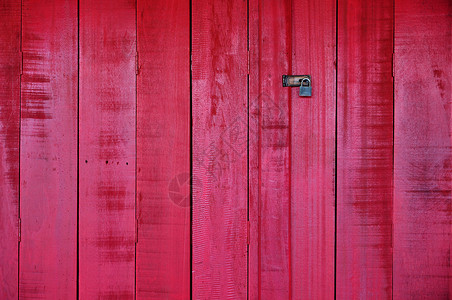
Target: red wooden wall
{"points": [[149, 151]]}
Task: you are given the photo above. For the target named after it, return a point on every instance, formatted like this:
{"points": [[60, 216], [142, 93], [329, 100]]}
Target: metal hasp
{"points": [[303, 81]]}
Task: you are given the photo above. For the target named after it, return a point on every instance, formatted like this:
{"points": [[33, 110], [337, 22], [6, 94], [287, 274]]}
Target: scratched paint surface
{"points": [[163, 150], [9, 146], [48, 154], [219, 104], [107, 149], [364, 150], [422, 152]]}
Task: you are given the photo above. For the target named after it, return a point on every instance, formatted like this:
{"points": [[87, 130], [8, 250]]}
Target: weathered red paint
{"points": [[107, 149], [263, 159], [364, 149], [219, 104], [313, 150], [48, 152], [270, 106], [422, 150], [10, 65], [270, 131], [291, 151], [163, 150]]}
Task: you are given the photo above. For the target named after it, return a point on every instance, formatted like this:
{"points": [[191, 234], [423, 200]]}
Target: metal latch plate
{"points": [[293, 80], [303, 81]]}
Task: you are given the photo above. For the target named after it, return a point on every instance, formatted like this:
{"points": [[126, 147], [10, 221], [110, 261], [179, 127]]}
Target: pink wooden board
{"points": [[48, 152], [219, 105], [422, 150], [107, 149], [364, 150], [163, 150], [10, 65], [269, 105], [291, 151], [313, 151]]}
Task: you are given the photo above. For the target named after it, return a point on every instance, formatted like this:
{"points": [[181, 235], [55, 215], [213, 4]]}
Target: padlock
{"points": [[305, 87]]}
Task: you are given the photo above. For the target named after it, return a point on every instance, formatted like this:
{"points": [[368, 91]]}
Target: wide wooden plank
{"points": [[163, 150], [107, 149], [269, 105], [291, 151], [364, 149], [48, 154], [10, 59], [422, 150], [313, 151], [219, 104]]}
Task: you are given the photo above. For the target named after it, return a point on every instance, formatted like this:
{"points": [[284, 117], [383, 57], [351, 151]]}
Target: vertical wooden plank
{"points": [[163, 150], [48, 171], [292, 206], [10, 58], [219, 104], [270, 58], [364, 149], [313, 150], [422, 150], [254, 45], [107, 149]]}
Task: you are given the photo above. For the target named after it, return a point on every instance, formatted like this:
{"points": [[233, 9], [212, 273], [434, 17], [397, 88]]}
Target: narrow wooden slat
{"points": [[163, 150], [220, 116], [48, 171], [9, 146], [313, 150], [253, 150], [270, 57], [422, 151], [107, 149], [364, 149]]}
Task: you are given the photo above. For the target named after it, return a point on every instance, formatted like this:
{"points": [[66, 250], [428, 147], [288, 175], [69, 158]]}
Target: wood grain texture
{"points": [[48, 169], [270, 57], [291, 151], [107, 149], [364, 149], [219, 104], [163, 150], [423, 153], [10, 65], [313, 150]]}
